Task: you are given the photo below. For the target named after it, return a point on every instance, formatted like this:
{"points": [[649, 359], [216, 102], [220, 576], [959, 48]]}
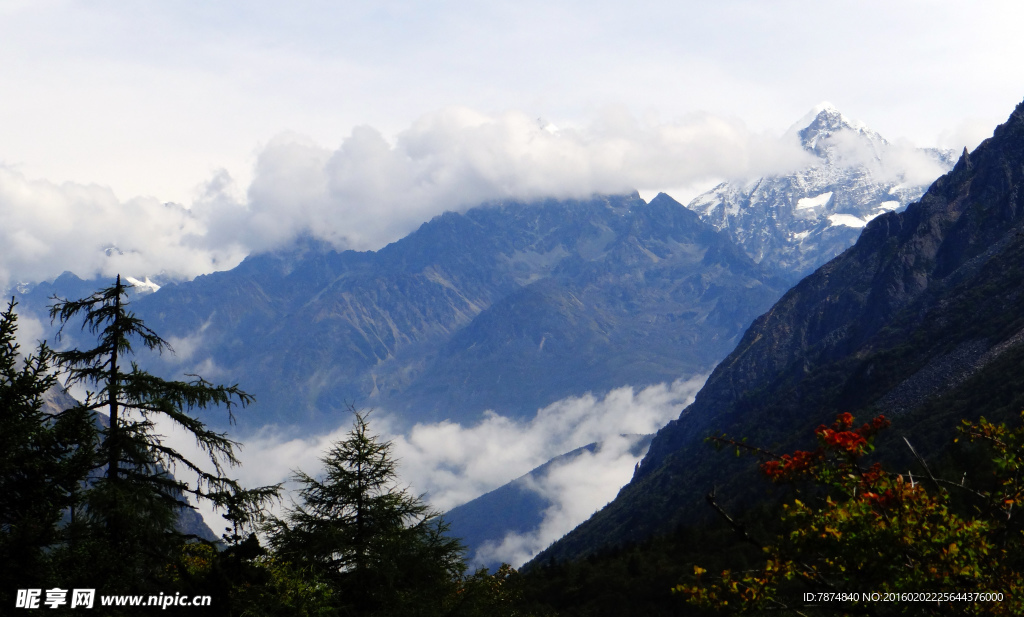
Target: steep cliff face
{"points": [[925, 309]]}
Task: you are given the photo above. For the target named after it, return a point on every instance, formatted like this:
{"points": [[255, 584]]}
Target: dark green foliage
{"points": [[43, 457], [132, 499], [637, 579], [89, 501], [380, 550]]}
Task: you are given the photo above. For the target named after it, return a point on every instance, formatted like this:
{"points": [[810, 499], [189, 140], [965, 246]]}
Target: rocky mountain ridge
{"points": [[511, 306]]}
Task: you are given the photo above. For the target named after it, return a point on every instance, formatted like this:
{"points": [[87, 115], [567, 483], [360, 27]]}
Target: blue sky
{"points": [[184, 101]]}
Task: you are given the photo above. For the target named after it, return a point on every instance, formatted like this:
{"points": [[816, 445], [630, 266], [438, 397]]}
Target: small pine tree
{"points": [[133, 504], [381, 549]]}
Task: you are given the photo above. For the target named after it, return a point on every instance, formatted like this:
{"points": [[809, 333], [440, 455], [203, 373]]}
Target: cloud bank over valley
{"points": [[451, 464]]}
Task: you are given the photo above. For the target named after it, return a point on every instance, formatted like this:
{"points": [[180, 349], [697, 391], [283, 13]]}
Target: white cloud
{"points": [[903, 162], [47, 228], [30, 332], [266, 458], [149, 98], [185, 347], [967, 134], [452, 464], [575, 488], [367, 192], [898, 161]]}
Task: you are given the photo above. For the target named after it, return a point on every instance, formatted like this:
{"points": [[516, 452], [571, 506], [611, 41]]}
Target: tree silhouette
{"points": [[133, 500], [43, 457], [382, 550]]}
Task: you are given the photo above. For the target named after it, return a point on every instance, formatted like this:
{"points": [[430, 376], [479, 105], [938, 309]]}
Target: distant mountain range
{"points": [[922, 320], [510, 307], [517, 508]]}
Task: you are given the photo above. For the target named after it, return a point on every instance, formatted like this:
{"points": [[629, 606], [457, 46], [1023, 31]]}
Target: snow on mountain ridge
{"points": [[800, 220]]}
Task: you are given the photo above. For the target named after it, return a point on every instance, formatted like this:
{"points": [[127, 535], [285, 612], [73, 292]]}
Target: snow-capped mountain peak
{"points": [[798, 221], [831, 135]]}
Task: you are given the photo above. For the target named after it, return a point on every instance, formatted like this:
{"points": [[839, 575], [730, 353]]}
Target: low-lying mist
{"points": [[450, 464]]}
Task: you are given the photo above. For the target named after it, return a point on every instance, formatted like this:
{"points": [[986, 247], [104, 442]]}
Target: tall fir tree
{"points": [[133, 500]]}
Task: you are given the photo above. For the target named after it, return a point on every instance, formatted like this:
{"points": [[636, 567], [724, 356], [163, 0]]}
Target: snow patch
{"points": [[888, 206], [846, 220], [805, 203], [146, 286]]}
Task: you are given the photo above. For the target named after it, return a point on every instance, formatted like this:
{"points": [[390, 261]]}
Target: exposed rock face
{"points": [[641, 296], [924, 312], [797, 222], [512, 306]]}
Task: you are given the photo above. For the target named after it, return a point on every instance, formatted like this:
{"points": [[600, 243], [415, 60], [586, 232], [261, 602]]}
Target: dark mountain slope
{"points": [[657, 298], [926, 309]]}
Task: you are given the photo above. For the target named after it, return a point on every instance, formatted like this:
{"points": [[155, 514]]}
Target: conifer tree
{"points": [[382, 549], [133, 499], [43, 457]]}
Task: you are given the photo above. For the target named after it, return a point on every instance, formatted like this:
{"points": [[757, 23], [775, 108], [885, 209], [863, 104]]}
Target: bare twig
{"points": [[738, 527], [924, 464]]}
